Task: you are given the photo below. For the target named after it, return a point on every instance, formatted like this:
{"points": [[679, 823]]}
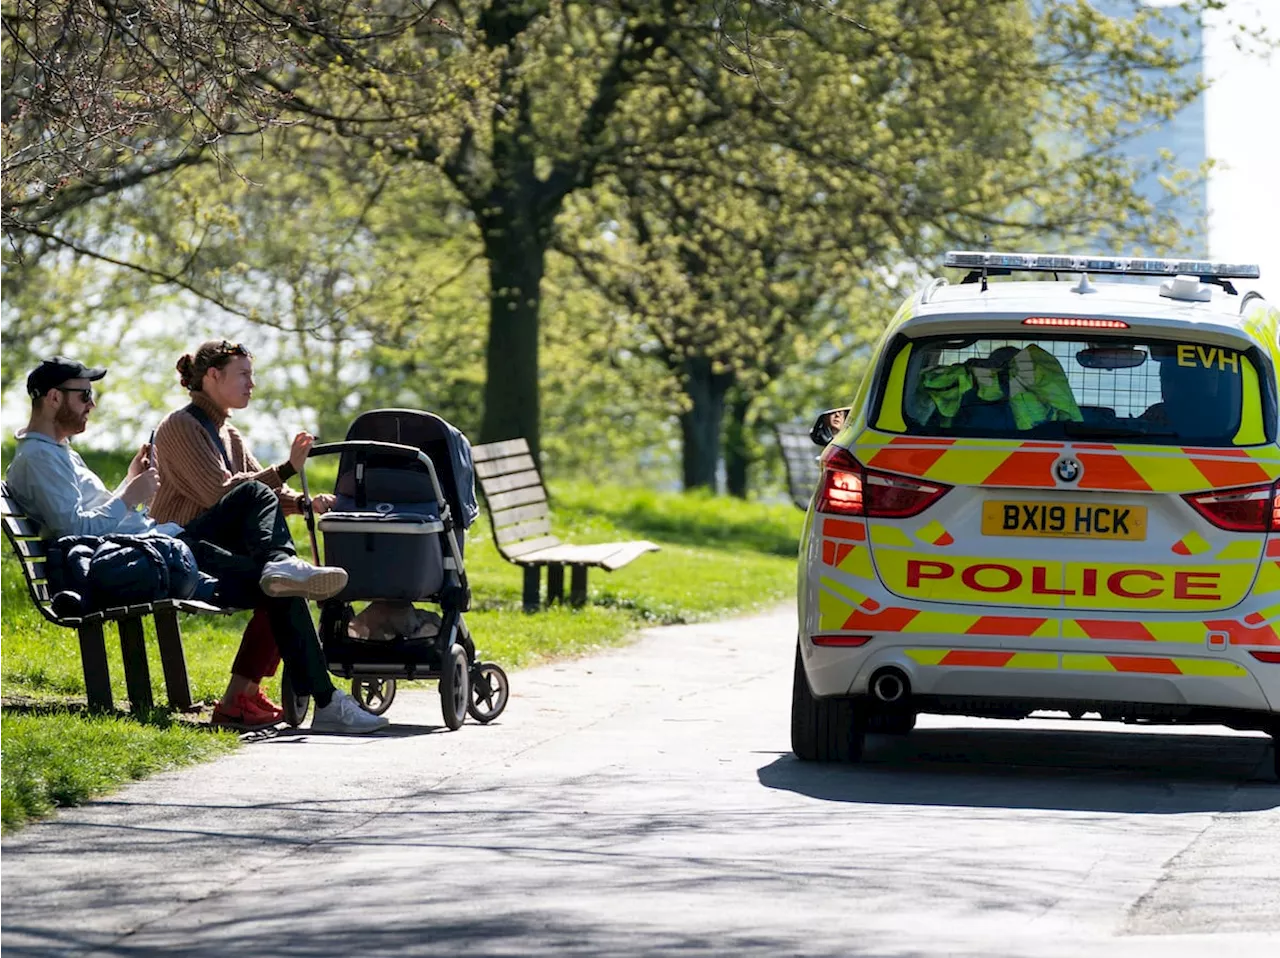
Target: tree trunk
{"points": [[700, 426], [737, 457], [512, 406]]}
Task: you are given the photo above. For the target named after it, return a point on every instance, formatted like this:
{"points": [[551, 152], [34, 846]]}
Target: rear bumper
{"points": [[951, 669]]}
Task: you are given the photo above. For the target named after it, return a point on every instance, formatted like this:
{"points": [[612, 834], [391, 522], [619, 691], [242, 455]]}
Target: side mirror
{"points": [[828, 424]]}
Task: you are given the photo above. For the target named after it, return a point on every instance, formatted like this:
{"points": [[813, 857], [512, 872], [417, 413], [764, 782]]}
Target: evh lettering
{"points": [[1208, 357], [993, 578]]}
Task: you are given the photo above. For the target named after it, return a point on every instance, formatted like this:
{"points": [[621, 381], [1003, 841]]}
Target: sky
{"points": [[1241, 111]]}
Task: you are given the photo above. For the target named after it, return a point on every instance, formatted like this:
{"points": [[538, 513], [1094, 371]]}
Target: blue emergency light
{"points": [[1123, 265]]}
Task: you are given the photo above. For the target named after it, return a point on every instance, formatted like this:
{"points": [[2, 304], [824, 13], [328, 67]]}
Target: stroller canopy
{"points": [[446, 447]]}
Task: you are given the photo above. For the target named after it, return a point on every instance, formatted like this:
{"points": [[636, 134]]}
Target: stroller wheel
{"points": [[455, 687], [489, 691], [296, 707], [374, 695]]}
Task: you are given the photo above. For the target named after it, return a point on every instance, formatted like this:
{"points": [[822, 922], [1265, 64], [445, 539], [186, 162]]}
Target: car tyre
{"points": [[823, 730]]}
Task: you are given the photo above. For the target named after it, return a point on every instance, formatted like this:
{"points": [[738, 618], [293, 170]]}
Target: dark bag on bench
{"points": [[115, 570]]}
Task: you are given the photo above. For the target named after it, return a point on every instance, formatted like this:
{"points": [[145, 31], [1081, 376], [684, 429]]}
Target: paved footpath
{"points": [[645, 801]]}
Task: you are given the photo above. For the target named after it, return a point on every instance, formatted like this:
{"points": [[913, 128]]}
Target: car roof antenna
{"points": [[986, 244]]}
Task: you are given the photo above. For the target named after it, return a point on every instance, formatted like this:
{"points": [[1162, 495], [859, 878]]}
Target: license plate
{"points": [[1064, 520]]}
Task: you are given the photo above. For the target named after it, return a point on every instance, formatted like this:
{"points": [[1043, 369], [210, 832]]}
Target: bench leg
{"points": [[93, 659], [555, 583], [173, 659], [137, 675], [532, 585], [578, 586]]}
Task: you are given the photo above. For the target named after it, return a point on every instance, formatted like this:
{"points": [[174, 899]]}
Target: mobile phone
{"points": [[151, 450]]}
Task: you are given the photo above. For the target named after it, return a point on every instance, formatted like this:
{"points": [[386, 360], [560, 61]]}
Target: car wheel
{"points": [[823, 730]]}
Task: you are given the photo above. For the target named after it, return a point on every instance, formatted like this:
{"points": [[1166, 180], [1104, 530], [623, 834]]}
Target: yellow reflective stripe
{"points": [[1241, 549], [1268, 580], [927, 656], [946, 623], [848, 593], [1250, 432], [1048, 629], [1086, 663], [1168, 474], [886, 535], [967, 466], [1209, 667], [1186, 632], [1033, 660], [833, 612], [858, 562], [1196, 543], [1072, 631], [891, 406], [932, 532]]}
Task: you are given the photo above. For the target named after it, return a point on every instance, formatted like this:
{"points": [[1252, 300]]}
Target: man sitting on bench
{"points": [[242, 540]]}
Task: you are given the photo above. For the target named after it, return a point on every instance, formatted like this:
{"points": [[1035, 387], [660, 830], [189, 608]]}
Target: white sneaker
{"points": [[344, 714], [292, 576]]}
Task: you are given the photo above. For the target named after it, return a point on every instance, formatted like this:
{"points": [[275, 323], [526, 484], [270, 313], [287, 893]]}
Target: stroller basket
{"points": [[387, 555]]}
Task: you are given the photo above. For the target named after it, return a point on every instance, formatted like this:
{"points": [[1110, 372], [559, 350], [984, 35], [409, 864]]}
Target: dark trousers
{"points": [[232, 541]]}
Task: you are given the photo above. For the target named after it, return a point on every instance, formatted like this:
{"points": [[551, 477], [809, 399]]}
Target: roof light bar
{"points": [[1073, 321], [1127, 265]]}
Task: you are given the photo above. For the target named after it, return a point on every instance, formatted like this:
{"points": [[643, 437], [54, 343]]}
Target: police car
{"points": [[1049, 496]]}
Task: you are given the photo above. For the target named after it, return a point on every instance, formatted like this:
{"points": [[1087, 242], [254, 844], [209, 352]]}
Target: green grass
{"points": [[719, 557], [61, 758]]}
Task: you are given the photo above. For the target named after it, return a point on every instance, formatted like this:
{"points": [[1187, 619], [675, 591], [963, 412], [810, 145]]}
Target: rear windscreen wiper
{"points": [[1080, 430]]}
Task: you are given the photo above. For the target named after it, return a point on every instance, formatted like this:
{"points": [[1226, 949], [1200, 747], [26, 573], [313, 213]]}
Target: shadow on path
{"points": [[1158, 773]]}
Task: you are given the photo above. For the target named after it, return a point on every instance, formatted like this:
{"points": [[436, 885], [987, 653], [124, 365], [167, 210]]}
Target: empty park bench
{"points": [[800, 456], [24, 536], [517, 504]]}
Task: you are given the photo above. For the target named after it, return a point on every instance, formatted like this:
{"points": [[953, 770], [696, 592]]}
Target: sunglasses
{"points": [[86, 395]]}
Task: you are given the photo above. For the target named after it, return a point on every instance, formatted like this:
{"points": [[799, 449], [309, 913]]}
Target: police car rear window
{"points": [[1130, 390]]}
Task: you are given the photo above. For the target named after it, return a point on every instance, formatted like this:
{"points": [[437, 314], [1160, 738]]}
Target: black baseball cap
{"points": [[56, 370]]}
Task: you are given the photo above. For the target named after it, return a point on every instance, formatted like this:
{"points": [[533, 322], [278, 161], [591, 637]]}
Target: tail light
{"points": [[1272, 657], [841, 641], [1248, 509], [848, 488]]}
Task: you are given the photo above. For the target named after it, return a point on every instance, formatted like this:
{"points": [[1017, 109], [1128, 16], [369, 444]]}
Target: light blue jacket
{"points": [[66, 498]]}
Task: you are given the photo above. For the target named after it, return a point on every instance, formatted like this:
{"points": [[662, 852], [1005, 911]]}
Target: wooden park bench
{"points": [[800, 456], [24, 536], [517, 504]]}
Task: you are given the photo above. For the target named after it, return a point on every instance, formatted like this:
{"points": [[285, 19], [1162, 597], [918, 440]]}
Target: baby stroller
{"points": [[404, 495]]}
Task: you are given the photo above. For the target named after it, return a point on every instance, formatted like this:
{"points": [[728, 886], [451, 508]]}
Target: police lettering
{"points": [[996, 577]]}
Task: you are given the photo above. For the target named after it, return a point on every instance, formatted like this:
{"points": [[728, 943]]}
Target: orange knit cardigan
{"points": [[193, 475]]}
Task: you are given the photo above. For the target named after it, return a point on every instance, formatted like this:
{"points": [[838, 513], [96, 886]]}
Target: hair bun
{"points": [[184, 370]]}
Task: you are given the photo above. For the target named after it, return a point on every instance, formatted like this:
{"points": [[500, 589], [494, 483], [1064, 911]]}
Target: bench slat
{"points": [[30, 548], [518, 480], [519, 497], [22, 527], [9, 506], [497, 450], [629, 552], [35, 569], [522, 530], [509, 517], [517, 552], [607, 555], [505, 466]]}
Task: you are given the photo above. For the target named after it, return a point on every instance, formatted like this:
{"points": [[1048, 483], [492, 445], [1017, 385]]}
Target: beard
{"points": [[70, 421]]}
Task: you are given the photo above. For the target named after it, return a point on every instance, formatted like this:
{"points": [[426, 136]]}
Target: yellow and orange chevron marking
{"points": [[1074, 662], [1192, 544], [1129, 468], [1251, 632], [935, 534]]}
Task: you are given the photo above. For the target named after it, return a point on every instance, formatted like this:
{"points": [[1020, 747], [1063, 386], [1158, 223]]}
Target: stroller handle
{"points": [[370, 445]]}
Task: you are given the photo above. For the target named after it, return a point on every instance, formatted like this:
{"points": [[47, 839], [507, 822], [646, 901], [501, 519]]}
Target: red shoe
{"points": [[243, 713], [264, 704]]}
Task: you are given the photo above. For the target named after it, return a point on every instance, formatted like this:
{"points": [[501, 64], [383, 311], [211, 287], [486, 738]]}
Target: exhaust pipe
{"points": [[889, 686]]}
